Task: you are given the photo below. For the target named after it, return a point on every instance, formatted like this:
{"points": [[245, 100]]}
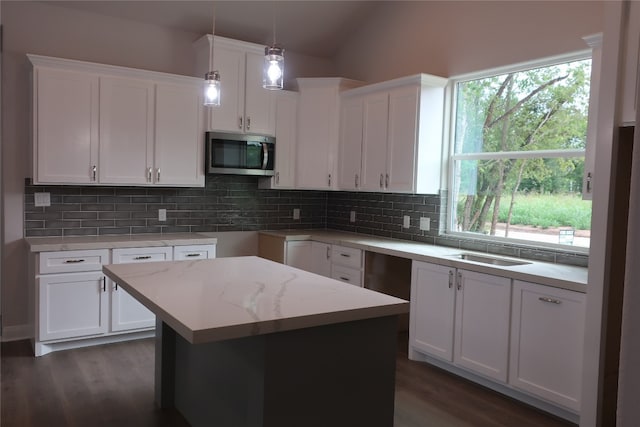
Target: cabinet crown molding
{"points": [[415, 80], [107, 70]]}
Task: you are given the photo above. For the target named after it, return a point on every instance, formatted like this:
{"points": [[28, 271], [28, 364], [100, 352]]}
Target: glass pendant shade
{"points": [[212, 89], [273, 69]]}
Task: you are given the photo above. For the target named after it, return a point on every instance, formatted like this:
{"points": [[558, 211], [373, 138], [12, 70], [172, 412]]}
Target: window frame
{"points": [[452, 157]]}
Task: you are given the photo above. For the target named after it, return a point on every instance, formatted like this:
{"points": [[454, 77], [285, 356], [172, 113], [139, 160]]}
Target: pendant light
{"points": [[212, 78], [273, 68]]}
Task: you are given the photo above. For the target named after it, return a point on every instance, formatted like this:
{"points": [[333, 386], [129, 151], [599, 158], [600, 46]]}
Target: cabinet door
{"points": [[298, 255], [374, 142], [72, 305], [259, 107], [230, 62], [321, 258], [126, 130], [547, 335], [350, 158], [286, 136], [432, 309], [191, 252], [483, 309], [402, 139], [317, 141], [126, 312], [179, 137], [65, 126]]}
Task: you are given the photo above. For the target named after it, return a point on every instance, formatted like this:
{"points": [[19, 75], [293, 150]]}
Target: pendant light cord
{"points": [[213, 32], [274, 24]]}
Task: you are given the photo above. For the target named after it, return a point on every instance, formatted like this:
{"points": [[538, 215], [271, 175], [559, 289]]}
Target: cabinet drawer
{"points": [[194, 252], [131, 255], [347, 275], [347, 257], [72, 261]]}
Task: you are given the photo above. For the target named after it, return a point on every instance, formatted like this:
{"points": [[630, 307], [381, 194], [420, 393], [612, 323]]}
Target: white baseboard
{"points": [[16, 333]]}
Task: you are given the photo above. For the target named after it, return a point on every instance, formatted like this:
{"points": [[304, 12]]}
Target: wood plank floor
{"points": [[112, 385]]}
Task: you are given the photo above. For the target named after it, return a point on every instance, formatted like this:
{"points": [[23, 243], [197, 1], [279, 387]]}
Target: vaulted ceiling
{"points": [[315, 28]]}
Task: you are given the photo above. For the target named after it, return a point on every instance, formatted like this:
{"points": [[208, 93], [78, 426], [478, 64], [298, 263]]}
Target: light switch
{"points": [[162, 214], [352, 216], [406, 222], [296, 213], [42, 199]]}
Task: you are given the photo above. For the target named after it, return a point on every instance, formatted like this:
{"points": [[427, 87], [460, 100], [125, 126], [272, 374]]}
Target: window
{"points": [[518, 152]]}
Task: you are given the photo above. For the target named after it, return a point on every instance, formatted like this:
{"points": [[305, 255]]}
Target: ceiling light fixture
{"points": [[273, 69], [212, 78]]}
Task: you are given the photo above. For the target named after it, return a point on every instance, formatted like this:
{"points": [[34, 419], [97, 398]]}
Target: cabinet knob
{"points": [[328, 252], [141, 257], [329, 181], [277, 177], [240, 123], [459, 284], [73, 261], [450, 279], [149, 174], [158, 175], [192, 255], [589, 182], [356, 180], [94, 171], [381, 180], [248, 122], [386, 181]]}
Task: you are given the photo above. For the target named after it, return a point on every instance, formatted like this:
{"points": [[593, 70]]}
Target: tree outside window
{"points": [[518, 155]]}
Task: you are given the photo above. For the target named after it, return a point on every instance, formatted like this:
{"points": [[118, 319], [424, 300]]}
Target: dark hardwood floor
{"points": [[112, 385]]}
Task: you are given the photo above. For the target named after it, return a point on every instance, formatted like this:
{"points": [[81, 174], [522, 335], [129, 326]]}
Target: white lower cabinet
{"points": [[76, 305], [462, 317], [72, 305], [126, 312], [547, 335], [335, 261]]}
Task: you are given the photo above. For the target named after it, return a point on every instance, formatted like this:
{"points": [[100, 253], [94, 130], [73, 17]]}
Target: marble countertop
{"points": [[225, 298], [45, 244], [556, 275]]}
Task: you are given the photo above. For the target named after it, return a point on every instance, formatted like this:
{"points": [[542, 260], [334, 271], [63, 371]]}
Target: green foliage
{"points": [[546, 211]]}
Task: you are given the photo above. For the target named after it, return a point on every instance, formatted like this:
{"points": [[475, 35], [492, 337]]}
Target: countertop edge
{"points": [[48, 244]]}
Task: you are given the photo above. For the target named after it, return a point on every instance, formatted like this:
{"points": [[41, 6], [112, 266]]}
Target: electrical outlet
{"points": [[406, 221], [162, 214], [352, 216], [42, 199], [296, 213], [425, 223]]}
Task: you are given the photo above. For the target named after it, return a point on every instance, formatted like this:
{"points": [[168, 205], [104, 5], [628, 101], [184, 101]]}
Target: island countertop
{"points": [[226, 298]]}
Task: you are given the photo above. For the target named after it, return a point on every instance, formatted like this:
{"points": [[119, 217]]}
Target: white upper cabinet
{"points": [[65, 126], [100, 124], [631, 64], [245, 106], [318, 131], [286, 137], [179, 135], [126, 130], [400, 149], [350, 156]]}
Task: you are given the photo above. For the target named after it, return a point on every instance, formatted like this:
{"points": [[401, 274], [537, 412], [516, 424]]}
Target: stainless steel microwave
{"points": [[239, 154]]}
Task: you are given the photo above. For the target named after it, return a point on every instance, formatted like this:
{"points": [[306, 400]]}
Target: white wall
{"points": [[46, 29], [449, 38]]}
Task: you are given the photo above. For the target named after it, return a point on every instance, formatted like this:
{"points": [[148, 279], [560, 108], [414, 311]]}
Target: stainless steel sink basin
{"points": [[487, 259]]}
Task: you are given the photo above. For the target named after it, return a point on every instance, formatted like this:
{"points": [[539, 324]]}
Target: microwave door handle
{"points": [[265, 155]]}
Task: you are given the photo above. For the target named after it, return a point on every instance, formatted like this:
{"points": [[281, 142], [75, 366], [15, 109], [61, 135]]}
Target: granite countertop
{"points": [[225, 298], [556, 275], [45, 244]]}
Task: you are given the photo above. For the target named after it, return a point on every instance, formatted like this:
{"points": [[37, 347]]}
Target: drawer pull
{"points": [[143, 257], [346, 255], [104, 284], [192, 255], [74, 261], [551, 300], [346, 279], [116, 286]]}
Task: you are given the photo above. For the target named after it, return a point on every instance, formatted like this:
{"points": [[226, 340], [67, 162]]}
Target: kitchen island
{"points": [[249, 342]]}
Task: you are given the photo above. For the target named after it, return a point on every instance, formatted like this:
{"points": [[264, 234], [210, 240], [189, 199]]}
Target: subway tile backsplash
{"points": [[226, 203], [235, 203]]}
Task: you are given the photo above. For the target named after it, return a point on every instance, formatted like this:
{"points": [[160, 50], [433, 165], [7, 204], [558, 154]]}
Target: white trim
{"points": [[523, 66], [522, 244], [545, 154]]}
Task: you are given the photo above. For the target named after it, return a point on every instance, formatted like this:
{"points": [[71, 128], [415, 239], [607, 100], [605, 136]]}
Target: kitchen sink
{"points": [[487, 259]]}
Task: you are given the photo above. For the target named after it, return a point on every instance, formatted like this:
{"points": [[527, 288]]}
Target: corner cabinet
{"points": [[100, 124], [391, 136], [318, 131], [245, 106]]}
